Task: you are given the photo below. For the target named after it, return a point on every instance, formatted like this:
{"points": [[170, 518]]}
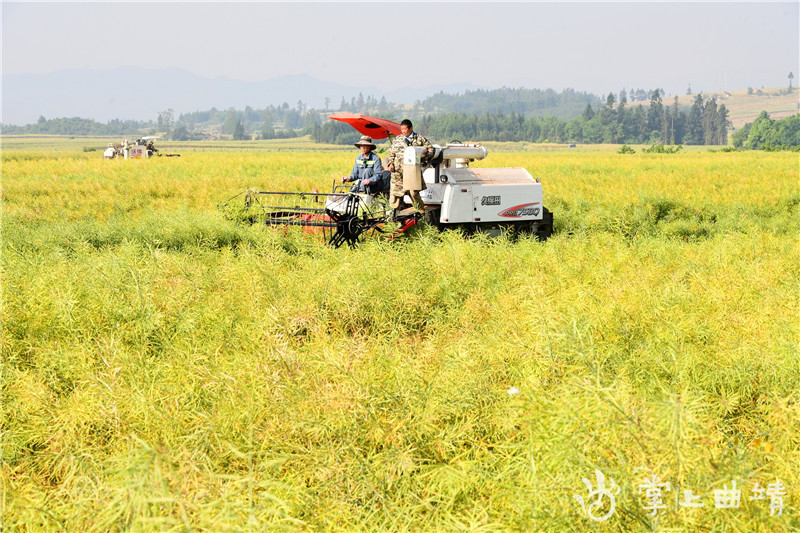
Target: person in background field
{"points": [[367, 168], [151, 149], [408, 137]]}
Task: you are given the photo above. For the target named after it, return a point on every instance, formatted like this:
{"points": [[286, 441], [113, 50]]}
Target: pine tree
{"points": [[655, 115], [238, 132], [621, 132], [678, 123], [710, 124], [666, 127], [723, 122], [694, 124]]}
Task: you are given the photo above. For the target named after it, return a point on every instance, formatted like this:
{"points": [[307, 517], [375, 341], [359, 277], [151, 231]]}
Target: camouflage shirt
{"points": [[399, 145]]}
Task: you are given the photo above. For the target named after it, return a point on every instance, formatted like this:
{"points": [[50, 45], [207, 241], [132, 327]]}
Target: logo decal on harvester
{"points": [[523, 210], [490, 200]]}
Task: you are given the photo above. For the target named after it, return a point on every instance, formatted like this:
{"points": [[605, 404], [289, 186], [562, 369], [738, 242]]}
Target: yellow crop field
{"points": [[165, 369]]}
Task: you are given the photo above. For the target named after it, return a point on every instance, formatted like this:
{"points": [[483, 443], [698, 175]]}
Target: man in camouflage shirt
{"points": [[408, 138]]}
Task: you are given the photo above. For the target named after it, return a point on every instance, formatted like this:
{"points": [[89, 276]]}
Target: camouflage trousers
{"points": [[398, 192]]}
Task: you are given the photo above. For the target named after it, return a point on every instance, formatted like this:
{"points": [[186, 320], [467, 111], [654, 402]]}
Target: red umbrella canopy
{"points": [[377, 128]]}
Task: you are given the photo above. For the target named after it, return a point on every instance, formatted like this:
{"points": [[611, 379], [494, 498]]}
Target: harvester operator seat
{"points": [[380, 183]]}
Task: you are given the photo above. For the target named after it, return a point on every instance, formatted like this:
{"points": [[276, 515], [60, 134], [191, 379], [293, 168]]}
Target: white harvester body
{"points": [[485, 198]]}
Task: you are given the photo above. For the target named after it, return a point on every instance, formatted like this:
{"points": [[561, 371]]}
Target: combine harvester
{"points": [[488, 200], [138, 149]]}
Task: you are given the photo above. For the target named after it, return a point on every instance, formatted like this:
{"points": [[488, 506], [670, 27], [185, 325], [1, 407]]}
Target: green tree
{"points": [[789, 131], [231, 120], [383, 106], [250, 115], [723, 123], [694, 123], [710, 123], [678, 125], [293, 119], [180, 133], [165, 120], [761, 133], [268, 132], [238, 132], [622, 118], [655, 116]]}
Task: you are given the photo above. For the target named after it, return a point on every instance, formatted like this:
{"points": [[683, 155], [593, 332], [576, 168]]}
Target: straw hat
{"points": [[365, 141]]}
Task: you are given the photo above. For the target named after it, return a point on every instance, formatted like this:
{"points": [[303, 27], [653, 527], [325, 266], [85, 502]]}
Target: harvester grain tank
{"points": [[481, 199]]}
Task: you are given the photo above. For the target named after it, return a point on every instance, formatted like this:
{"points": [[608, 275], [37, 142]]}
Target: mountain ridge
{"points": [[137, 93]]}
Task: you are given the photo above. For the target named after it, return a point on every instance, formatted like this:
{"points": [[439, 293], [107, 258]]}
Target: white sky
{"points": [[596, 47]]}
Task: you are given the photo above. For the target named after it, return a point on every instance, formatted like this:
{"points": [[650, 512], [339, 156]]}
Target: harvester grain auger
{"points": [[485, 200]]}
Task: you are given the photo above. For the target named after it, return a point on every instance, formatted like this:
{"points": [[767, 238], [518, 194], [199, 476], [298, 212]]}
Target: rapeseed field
{"points": [[165, 369]]}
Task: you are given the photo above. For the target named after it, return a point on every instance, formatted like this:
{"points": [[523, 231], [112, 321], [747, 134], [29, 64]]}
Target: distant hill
{"points": [[745, 108], [140, 94], [134, 94]]}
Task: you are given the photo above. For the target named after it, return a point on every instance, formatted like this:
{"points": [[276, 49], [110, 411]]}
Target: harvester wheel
{"points": [[432, 217], [544, 229]]}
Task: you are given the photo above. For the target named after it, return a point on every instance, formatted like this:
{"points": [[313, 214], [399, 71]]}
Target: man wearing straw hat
{"points": [[367, 169]]}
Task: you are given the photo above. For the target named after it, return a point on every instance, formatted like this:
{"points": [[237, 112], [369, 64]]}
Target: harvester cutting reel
{"points": [[341, 217]]}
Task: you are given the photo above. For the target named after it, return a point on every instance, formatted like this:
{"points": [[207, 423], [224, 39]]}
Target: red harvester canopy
{"points": [[377, 128]]}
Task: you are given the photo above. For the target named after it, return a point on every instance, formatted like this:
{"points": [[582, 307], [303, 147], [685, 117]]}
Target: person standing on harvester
{"points": [[408, 138]]}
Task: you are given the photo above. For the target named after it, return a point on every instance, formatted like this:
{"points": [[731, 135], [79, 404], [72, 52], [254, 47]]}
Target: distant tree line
{"points": [[335, 132], [767, 134], [80, 126], [285, 121], [505, 114], [527, 102], [367, 106], [273, 122], [613, 122]]}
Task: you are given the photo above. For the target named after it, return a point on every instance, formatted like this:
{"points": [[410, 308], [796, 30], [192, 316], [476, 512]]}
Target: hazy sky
{"points": [[597, 47]]}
